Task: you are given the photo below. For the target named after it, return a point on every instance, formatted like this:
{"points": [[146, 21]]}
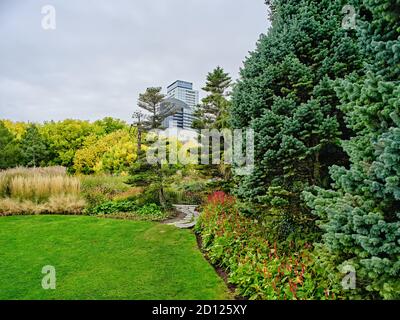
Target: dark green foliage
{"points": [[149, 101], [129, 209], [213, 111], [34, 148], [286, 94], [361, 215], [114, 207], [152, 176], [188, 192], [10, 153], [149, 209]]}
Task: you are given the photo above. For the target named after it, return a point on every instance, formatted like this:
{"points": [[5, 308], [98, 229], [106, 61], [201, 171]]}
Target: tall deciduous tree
{"points": [[110, 125], [113, 154], [66, 137], [10, 154], [361, 215]]}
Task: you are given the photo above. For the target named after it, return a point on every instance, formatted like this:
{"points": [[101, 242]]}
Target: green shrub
{"points": [[150, 209], [258, 267], [129, 210], [96, 196], [110, 184], [188, 192], [99, 189], [149, 195], [109, 207], [183, 197]]}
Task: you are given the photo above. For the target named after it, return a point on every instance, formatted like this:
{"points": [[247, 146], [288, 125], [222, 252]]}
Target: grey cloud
{"points": [[104, 53]]}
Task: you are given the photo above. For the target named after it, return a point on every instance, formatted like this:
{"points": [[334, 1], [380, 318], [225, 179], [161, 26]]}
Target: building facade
{"points": [[182, 91]]}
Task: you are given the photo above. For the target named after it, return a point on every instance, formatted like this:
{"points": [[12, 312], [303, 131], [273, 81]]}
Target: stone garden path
{"points": [[187, 217]]}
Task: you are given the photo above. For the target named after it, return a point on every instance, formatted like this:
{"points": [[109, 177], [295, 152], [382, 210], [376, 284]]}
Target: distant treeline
{"points": [[103, 146]]}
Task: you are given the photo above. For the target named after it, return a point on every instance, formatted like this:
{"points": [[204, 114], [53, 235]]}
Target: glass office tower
{"points": [[182, 91]]}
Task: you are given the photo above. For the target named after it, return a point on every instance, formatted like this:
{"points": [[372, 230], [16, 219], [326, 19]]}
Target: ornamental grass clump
{"points": [[40, 188], [39, 191]]}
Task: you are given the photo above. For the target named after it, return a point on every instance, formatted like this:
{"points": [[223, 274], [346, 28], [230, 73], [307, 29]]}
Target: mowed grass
{"points": [[102, 259]]}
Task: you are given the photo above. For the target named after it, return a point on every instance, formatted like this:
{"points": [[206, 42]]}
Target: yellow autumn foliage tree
{"points": [[112, 153], [16, 128]]}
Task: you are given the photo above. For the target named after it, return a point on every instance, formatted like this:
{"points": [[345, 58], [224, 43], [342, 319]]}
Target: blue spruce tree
{"points": [[360, 216], [286, 94]]}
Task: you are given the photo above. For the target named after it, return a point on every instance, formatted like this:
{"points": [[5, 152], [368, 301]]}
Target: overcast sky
{"points": [[104, 53]]}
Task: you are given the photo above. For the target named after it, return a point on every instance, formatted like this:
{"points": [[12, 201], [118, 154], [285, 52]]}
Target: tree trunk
{"points": [[139, 142], [317, 170], [161, 196]]}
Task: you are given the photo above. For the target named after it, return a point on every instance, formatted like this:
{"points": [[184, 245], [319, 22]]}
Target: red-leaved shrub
{"points": [[256, 266]]}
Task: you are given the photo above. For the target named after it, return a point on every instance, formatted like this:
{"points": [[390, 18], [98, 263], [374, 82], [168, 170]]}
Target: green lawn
{"points": [[102, 259]]}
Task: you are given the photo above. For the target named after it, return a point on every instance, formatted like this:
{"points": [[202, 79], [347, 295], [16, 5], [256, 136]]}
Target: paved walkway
{"points": [[188, 215]]}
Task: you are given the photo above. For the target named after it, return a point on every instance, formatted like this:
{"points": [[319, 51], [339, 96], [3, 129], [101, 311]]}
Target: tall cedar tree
{"points": [[286, 94], [361, 215]]}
